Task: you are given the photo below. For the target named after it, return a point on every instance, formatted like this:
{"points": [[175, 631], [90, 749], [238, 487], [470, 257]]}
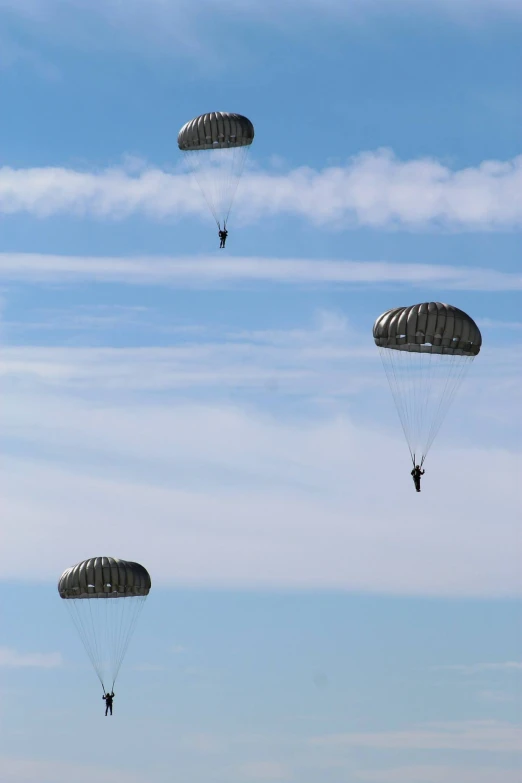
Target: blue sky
{"points": [[223, 417]]}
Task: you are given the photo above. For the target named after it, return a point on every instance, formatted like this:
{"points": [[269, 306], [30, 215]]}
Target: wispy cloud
{"points": [[264, 771], [476, 668], [496, 697], [245, 477], [243, 486], [12, 659], [441, 773], [373, 189], [491, 323], [212, 272], [18, 770], [490, 736], [149, 27], [148, 667], [329, 360]]}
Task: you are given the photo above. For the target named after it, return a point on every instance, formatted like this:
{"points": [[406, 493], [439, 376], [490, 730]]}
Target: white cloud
{"points": [[151, 27], [476, 668], [212, 272], [82, 438], [203, 743], [264, 770], [441, 773], [12, 659], [485, 736], [496, 697], [492, 323], [17, 770], [373, 189], [244, 489]]}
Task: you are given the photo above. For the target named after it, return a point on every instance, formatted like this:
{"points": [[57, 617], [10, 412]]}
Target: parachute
{"points": [[105, 597], [426, 350], [216, 146]]}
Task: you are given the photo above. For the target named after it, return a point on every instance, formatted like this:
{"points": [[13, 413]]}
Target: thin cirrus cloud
{"points": [[488, 736], [441, 773], [12, 659], [335, 364], [374, 189], [25, 770], [476, 668], [240, 504], [150, 25], [210, 272]]}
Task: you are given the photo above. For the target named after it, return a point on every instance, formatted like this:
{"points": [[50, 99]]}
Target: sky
{"points": [[223, 417]]}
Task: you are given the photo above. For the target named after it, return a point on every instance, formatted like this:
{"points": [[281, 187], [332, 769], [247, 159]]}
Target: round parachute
{"points": [[426, 350], [105, 597], [215, 146], [216, 130]]}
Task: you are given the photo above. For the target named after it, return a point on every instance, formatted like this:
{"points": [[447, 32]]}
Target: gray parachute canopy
{"points": [[430, 327], [216, 130], [104, 577], [426, 350]]}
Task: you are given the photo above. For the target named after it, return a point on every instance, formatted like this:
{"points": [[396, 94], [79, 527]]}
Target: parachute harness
{"points": [[426, 350]]}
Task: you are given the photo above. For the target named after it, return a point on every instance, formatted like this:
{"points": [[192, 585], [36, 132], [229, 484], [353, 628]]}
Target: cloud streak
{"points": [[213, 272], [477, 668], [373, 189], [488, 736], [149, 27], [241, 499], [441, 773], [18, 770], [11, 659]]}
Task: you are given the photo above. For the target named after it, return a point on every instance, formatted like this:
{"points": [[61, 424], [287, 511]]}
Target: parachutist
{"points": [[223, 234], [108, 702], [425, 349], [417, 473]]}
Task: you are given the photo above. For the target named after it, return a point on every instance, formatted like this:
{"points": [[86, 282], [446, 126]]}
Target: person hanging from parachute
{"points": [[216, 146], [223, 234], [105, 596], [417, 473], [426, 350], [108, 702]]}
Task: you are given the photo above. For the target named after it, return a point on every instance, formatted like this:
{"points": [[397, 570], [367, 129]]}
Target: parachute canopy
{"points": [[215, 146], [105, 626], [431, 327], [426, 350], [104, 577], [216, 130]]}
